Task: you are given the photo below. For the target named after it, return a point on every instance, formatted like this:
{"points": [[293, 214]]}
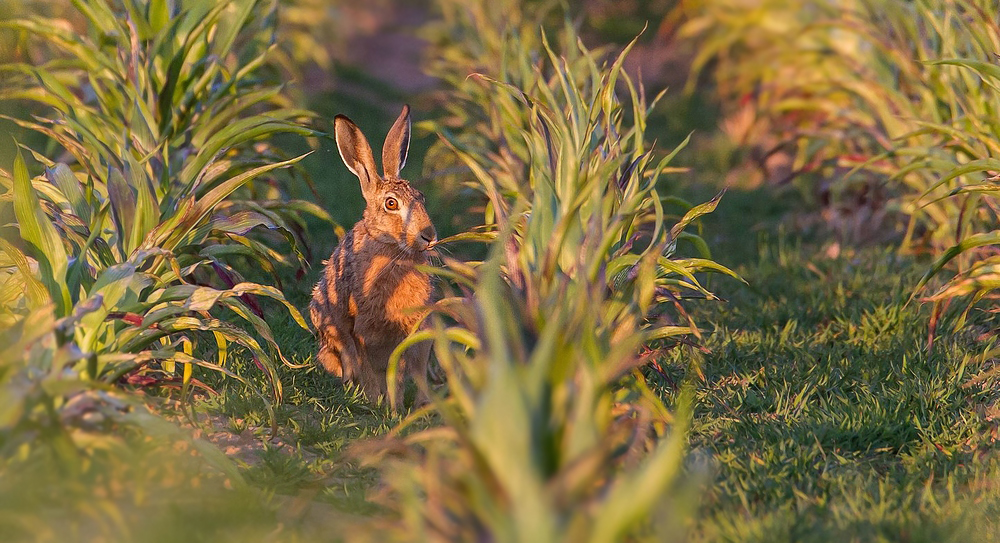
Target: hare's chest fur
{"points": [[389, 293], [392, 299]]}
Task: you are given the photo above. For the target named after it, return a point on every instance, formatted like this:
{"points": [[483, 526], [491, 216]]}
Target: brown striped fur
{"points": [[371, 295]]}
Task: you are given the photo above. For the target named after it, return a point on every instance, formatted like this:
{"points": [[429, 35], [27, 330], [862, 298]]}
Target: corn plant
{"points": [[469, 38], [912, 87], [132, 237], [549, 431], [313, 32], [972, 139], [853, 87], [14, 44]]}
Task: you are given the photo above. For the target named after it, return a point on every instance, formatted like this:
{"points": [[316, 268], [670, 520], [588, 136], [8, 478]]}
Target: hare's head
{"points": [[395, 214]]}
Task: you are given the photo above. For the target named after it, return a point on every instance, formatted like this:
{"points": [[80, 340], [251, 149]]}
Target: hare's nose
{"points": [[428, 234]]}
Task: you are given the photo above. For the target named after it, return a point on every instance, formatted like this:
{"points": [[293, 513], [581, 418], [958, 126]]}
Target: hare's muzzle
{"points": [[427, 238]]}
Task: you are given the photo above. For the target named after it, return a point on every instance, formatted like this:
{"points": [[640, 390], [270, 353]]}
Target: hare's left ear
{"points": [[397, 142], [357, 154]]}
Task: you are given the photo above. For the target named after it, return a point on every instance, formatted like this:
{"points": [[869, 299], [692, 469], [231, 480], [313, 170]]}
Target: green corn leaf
{"points": [[100, 15], [217, 253], [694, 213], [179, 226], [111, 286], [34, 289], [232, 20], [158, 15], [704, 264], [142, 128], [302, 206], [967, 244], [239, 132], [454, 334], [633, 496], [123, 209], [41, 236], [62, 177], [984, 68], [147, 210], [978, 165], [698, 242]]}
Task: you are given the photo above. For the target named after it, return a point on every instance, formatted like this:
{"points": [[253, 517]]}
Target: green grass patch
{"points": [[825, 416]]}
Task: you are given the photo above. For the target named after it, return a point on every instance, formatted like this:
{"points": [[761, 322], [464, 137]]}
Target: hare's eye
{"points": [[391, 204]]}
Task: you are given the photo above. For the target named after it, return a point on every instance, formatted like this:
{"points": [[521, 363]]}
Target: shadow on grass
{"points": [[825, 414]]}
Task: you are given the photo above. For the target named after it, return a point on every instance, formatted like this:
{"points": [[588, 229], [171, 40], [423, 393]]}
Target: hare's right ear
{"points": [[357, 154], [397, 142]]}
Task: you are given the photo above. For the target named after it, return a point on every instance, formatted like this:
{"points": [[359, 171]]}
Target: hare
{"points": [[371, 294]]}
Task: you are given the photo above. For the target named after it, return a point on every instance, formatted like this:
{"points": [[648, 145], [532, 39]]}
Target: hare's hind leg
{"points": [[331, 353], [327, 355], [337, 352], [342, 352], [330, 361]]}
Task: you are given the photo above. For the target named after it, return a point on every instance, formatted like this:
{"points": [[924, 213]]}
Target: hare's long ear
{"points": [[357, 154], [396, 144]]}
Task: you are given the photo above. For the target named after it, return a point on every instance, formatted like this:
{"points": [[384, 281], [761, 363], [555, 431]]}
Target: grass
{"points": [[824, 414]]}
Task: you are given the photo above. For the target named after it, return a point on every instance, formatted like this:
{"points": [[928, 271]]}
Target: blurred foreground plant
{"points": [[550, 432]]}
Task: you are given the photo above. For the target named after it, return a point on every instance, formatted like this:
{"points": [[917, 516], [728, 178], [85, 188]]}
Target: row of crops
{"points": [[156, 203]]}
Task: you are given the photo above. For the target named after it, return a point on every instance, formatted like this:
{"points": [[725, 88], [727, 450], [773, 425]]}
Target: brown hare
{"points": [[371, 294]]}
